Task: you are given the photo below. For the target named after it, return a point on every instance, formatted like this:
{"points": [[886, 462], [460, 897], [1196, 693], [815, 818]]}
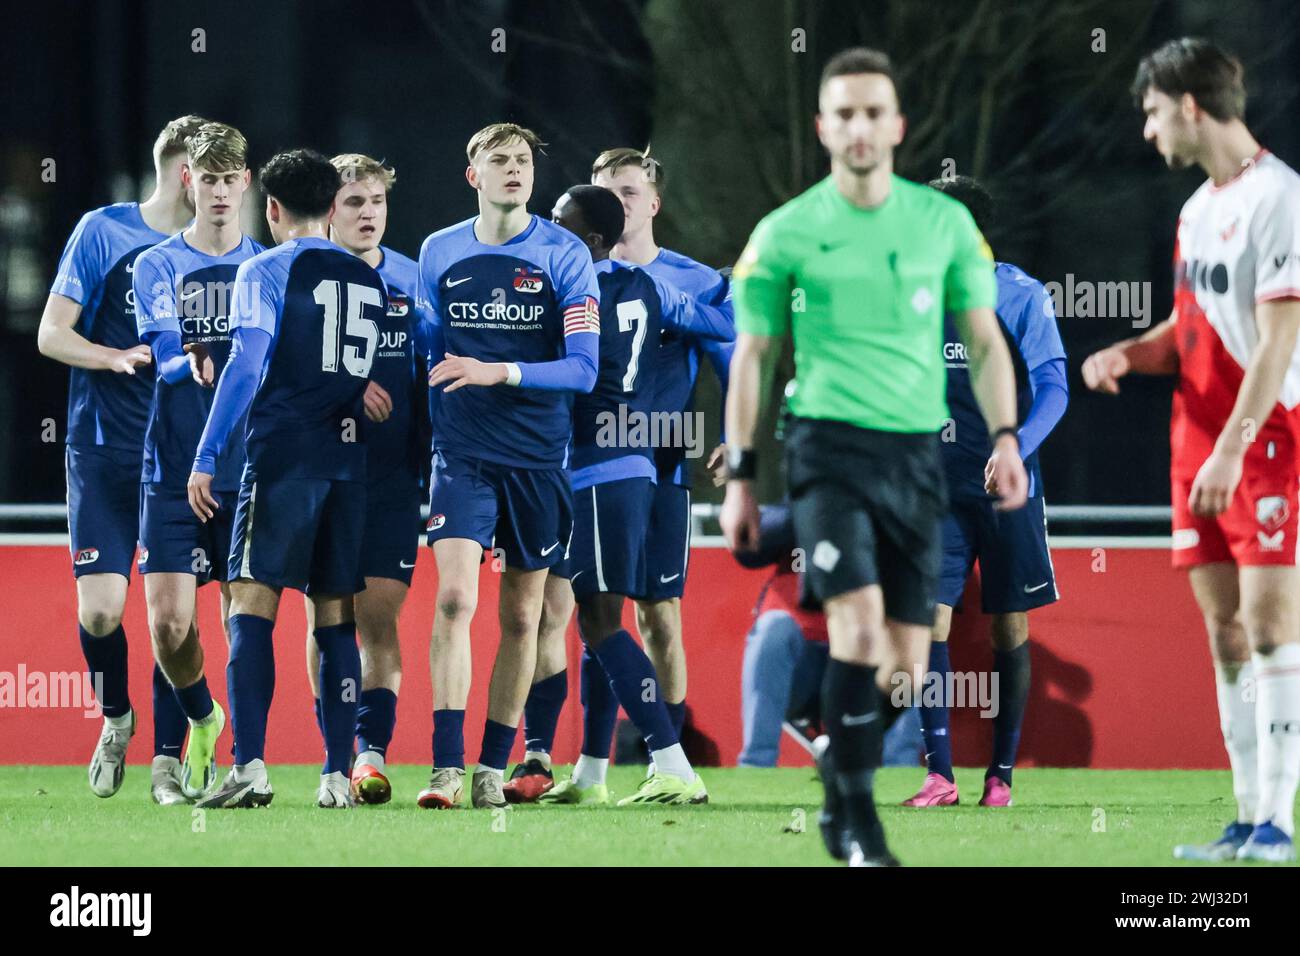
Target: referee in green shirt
{"points": [[860, 270]]}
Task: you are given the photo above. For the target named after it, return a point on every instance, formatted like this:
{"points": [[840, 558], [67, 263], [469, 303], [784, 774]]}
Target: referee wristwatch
{"points": [[742, 464]]}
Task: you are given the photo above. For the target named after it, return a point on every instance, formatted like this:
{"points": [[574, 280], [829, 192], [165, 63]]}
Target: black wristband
{"points": [[742, 464], [1005, 430]]}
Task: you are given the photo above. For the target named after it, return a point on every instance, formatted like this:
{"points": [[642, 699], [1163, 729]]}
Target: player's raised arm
{"points": [[1155, 352], [84, 257], [694, 317]]}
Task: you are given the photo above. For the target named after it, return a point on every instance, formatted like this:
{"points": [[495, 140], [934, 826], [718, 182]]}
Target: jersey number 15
{"points": [[356, 360]]}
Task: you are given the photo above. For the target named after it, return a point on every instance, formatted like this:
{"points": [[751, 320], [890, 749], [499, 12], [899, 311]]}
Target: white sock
{"points": [[371, 758], [539, 755], [1237, 721], [672, 761], [1277, 719], [245, 772], [120, 723], [483, 768], [590, 771], [212, 716]]}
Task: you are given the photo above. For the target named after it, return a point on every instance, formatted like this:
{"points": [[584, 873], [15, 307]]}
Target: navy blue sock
{"points": [[449, 738], [498, 739], [169, 723], [250, 683], [633, 679], [320, 721], [934, 718], [376, 718], [1012, 668], [542, 711], [599, 707], [677, 714], [106, 662], [340, 688], [195, 700]]}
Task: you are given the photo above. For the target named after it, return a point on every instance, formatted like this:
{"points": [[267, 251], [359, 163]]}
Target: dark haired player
{"points": [[305, 324], [613, 478], [1231, 340], [514, 314], [880, 261], [89, 324], [1016, 572]]}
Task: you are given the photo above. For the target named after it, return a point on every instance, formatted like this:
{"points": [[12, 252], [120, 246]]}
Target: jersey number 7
{"points": [[631, 314], [356, 360]]}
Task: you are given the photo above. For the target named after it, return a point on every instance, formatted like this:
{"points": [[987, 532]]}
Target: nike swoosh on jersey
{"points": [[451, 285]]}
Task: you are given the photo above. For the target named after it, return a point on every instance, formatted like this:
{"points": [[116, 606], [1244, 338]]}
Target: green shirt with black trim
{"points": [[864, 291]]}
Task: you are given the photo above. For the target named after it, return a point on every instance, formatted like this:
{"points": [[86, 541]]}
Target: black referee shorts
{"points": [[868, 508]]}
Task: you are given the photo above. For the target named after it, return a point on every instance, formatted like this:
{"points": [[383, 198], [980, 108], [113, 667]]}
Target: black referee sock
{"points": [[852, 713]]}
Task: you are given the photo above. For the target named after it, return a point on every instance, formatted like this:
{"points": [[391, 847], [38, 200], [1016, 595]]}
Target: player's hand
{"points": [[200, 491], [717, 465], [739, 518], [379, 404], [201, 368], [1103, 370], [1215, 485], [1004, 475], [460, 370], [128, 360]]}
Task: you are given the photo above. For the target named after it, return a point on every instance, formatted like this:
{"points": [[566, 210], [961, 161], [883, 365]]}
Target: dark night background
{"points": [[1015, 93]]}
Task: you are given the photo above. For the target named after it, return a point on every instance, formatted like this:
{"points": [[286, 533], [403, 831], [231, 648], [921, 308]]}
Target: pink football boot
{"points": [[996, 793], [936, 792]]}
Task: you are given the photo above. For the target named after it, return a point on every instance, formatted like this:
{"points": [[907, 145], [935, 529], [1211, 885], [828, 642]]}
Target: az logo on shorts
{"points": [[86, 556], [144, 557], [1272, 512], [435, 522]]}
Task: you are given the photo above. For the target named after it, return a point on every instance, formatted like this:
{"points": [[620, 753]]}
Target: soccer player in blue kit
{"points": [[89, 324], [182, 294], [514, 311], [1015, 564], [395, 407], [305, 320], [613, 477], [639, 181]]}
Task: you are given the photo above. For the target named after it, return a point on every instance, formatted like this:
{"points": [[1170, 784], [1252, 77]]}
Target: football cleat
{"points": [[334, 792], [530, 780], [444, 789], [666, 789], [937, 791], [568, 793], [1268, 844], [369, 785], [1224, 848], [165, 782], [485, 791], [245, 786], [997, 793], [200, 769], [857, 857], [109, 759]]}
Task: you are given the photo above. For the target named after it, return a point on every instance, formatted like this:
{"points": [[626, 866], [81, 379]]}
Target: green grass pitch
{"points": [[48, 816]]}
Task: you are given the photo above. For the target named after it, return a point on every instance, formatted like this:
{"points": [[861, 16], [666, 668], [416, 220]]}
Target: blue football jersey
{"points": [[679, 362], [322, 307], [179, 289], [95, 270], [393, 445], [1028, 320], [514, 302], [616, 425]]}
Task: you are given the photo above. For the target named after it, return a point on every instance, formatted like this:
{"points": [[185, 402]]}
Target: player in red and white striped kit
{"points": [[1232, 341]]}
